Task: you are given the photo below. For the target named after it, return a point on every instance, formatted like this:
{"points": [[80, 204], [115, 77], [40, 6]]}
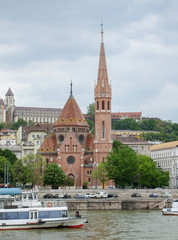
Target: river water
{"points": [[106, 224]]}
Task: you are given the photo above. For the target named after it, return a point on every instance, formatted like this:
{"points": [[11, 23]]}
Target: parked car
{"points": [[136, 195], [153, 195], [59, 195], [90, 195], [48, 195], [67, 196], [80, 196], [111, 195], [101, 195], [166, 194]]}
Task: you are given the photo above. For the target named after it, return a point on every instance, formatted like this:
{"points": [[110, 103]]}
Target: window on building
{"points": [[102, 105], [108, 105], [97, 105], [103, 130]]}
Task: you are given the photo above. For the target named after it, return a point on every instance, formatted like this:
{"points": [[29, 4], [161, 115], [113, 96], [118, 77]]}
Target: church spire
{"points": [[103, 86]]}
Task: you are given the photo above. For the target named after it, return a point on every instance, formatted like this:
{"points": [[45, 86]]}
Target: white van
{"points": [[101, 195]]}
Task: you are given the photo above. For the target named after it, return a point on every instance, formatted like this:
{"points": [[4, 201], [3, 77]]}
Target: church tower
{"points": [[10, 105], [102, 94]]}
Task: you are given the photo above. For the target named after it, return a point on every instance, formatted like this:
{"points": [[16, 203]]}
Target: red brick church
{"points": [[71, 145]]}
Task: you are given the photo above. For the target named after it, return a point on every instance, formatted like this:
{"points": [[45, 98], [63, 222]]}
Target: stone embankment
{"points": [[123, 202]]}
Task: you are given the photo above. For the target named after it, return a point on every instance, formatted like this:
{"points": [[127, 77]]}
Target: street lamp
{"points": [[96, 175], [176, 174], [158, 167]]}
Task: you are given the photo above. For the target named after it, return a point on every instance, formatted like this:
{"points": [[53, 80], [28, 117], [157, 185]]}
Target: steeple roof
{"points": [[102, 80], [9, 92], [71, 114]]}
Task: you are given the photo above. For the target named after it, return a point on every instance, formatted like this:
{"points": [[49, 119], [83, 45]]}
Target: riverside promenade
{"points": [[124, 201]]}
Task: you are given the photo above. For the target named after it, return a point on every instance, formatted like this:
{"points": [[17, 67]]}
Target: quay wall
{"points": [[106, 204]]}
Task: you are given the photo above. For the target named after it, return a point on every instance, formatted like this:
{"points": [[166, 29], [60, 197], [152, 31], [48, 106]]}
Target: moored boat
{"points": [[38, 218], [26, 212], [172, 210]]}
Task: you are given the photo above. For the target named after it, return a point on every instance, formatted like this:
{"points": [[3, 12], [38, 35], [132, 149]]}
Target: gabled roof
{"points": [[9, 92], [71, 115]]}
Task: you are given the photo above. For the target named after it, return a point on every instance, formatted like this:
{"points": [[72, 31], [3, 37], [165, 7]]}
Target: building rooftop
{"points": [[164, 146]]}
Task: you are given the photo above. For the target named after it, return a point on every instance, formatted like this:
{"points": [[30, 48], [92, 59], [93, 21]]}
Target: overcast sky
{"points": [[46, 43]]}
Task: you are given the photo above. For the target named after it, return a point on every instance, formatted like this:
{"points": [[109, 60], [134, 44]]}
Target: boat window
{"points": [[49, 214], [35, 215], [44, 214], [23, 215], [30, 196], [11, 215], [31, 215], [64, 213], [35, 196], [2, 215], [55, 214]]}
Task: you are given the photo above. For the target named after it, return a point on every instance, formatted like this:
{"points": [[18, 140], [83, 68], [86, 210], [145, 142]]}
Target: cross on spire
{"points": [[71, 88], [101, 31]]}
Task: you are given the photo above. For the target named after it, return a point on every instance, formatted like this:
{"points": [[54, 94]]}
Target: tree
{"points": [[125, 124], [69, 181], [101, 173], [91, 113], [19, 123], [10, 156], [20, 172], [91, 110], [34, 165], [53, 175], [121, 165], [149, 175]]}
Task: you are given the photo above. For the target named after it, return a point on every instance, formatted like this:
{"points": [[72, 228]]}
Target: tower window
{"points": [[108, 105], [97, 105], [103, 130], [102, 105]]}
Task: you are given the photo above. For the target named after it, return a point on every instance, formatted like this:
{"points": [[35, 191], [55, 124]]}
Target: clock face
{"points": [[103, 94]]}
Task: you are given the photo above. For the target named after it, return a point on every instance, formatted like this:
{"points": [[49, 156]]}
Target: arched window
{"points": [[102, 105], [97, 105], [108, 105], [103, 130]]}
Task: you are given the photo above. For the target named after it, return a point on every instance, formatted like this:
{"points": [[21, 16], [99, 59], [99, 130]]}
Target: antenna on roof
{"points": [[71, 88]]}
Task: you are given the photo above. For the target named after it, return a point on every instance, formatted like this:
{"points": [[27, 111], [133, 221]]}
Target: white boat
{"points": [[26, 212], [38, 218], [172, 210]]}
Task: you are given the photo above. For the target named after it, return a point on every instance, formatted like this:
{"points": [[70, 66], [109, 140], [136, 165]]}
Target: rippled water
{"points": [[115, 224]]}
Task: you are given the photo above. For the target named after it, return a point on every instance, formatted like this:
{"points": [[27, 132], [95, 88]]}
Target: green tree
{"points": [[121, 165], [91, 120], [10, 156], [91, 110], [19, 123], [2, 125], [69, 181], [125, 124], [35, 166], [53, 175], [101, 173], [20, 172], [149, 175]]}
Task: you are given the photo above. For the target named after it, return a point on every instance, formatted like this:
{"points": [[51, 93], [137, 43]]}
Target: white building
{"points": [[166, 156], [31, 138]]}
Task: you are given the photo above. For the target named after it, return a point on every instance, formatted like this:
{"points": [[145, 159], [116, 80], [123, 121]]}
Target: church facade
{"points": [[71, 145]]}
